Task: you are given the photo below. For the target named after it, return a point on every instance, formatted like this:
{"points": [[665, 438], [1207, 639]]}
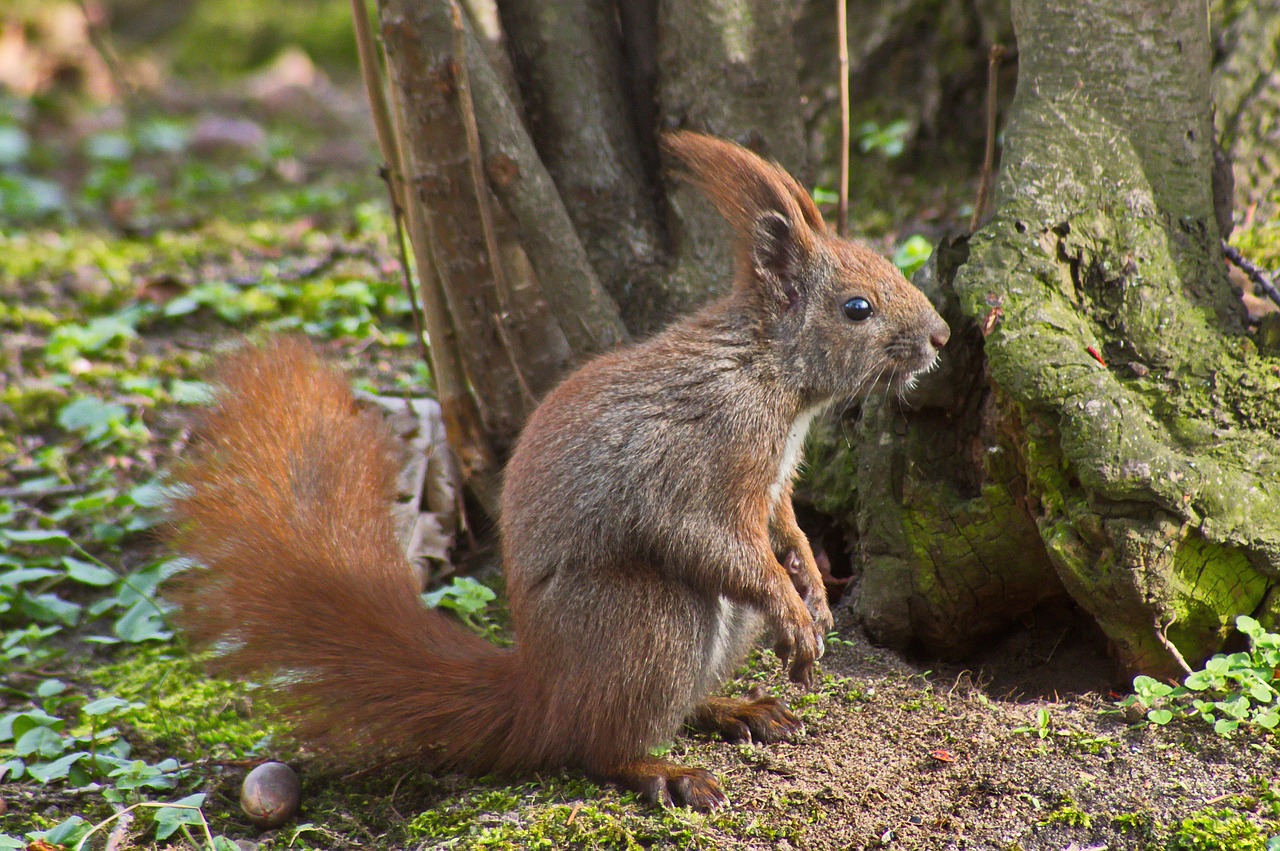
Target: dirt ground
{"points": [[908, 755]]}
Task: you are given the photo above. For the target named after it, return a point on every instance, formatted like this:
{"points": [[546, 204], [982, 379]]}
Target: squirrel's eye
{"points": [[857, 309]]}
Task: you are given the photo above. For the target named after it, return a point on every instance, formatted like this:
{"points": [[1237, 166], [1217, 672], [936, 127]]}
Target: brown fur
{"points": [[646, 521]]}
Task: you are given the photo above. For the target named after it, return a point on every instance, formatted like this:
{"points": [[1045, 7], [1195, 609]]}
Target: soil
{"points": [[942, 757]]}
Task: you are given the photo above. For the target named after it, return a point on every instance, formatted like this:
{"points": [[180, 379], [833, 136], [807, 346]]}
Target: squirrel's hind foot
{"points": [[758, 718], [663, 783]]}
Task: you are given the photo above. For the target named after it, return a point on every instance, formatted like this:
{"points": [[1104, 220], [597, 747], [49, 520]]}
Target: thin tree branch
{"points": [[374, 86], [842, 49], [989, 154], [1256, 274]]}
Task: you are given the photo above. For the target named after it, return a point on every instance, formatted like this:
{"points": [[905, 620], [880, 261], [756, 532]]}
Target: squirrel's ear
{"points": [[776, 256], [744, 187]]}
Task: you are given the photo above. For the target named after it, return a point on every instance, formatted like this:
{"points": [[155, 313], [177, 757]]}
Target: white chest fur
{"points": [[793, 452]]}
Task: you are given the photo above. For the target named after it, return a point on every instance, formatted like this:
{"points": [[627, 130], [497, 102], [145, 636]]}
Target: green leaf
{"points": [[1225, 726], [91, 417], [7, 842], [104, 706], [1218, 665], [17, 723], [143, 622], [1249, 626], [49, 688], [152, 494], [39, 741], [912, 254], [21, 576], [69, 832], [1268, 720], [1202, 681], [87, 573], [59, 769], [37, 536], [464, 595], [1160, 716], [1260, 692], [174, 816], [50, 608]]}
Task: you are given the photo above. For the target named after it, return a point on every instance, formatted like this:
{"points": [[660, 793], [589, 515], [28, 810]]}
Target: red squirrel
{"points": [[648, 535]]}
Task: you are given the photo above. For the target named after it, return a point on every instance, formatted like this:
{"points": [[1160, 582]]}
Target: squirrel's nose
{"points": [[940, 336]]}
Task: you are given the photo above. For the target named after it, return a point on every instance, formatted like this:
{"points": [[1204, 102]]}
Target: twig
{"points": [[390, 171], [989, 155], [463, 426], [501, 286], [1256, 274], [842, 50], [397, 216], [1163, 638]]}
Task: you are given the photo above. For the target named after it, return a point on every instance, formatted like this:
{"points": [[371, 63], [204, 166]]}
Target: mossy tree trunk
{"points": [[1103, 428]]}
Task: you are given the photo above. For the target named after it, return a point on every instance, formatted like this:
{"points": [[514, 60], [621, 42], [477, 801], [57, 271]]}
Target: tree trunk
{"points": [[1102, 428], [551, 230]]}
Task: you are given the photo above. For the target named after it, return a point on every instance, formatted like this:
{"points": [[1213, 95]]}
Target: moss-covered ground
{"points": [[137, 239]]}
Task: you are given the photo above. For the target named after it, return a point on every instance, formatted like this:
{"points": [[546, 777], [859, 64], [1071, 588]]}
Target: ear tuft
{"points": [[743, 185]]}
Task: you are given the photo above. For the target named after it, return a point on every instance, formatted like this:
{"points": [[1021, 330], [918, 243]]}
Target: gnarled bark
{"points": [[1125, 415]]}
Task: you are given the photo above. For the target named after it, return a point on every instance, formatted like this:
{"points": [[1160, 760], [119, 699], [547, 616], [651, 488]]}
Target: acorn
{"points": [[270, 794]]}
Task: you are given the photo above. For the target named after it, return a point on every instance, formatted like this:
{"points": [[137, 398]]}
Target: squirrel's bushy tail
{"points": [[285, 504]]}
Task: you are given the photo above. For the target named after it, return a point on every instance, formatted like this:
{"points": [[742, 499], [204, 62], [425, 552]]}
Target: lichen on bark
{"points": [[1140, 417]]}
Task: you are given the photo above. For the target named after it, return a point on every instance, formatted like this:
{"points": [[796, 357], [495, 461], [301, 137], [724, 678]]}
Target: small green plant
{"points": [[465, 597], [1042, 728], [887, 139], [1220, 830], [1069, 815], [1231, 690], [913, 253], [40, 745]]}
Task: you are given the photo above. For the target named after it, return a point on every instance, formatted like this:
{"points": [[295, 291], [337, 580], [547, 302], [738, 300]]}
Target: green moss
{"points": [[1218, 830], [1212, 584], [34, 405], [563, 813], [185, 711], [1069, 815]]}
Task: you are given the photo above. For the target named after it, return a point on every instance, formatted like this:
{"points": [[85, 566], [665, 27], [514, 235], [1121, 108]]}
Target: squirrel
{"points": [[648, 534]]}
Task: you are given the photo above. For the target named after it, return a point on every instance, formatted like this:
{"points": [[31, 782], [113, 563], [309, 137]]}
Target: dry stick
{"points": [[989, 156], [409, 288], [1256, 274], [1162, 635], [501, 287], [367, 51], [842, 49]]}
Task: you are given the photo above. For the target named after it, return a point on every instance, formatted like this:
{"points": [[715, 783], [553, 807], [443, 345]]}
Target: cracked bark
{"points": [[1145, 486]]}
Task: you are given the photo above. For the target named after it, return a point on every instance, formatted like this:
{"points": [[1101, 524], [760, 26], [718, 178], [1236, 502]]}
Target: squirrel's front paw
{"points": [[799, 643], [808, 584]]}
